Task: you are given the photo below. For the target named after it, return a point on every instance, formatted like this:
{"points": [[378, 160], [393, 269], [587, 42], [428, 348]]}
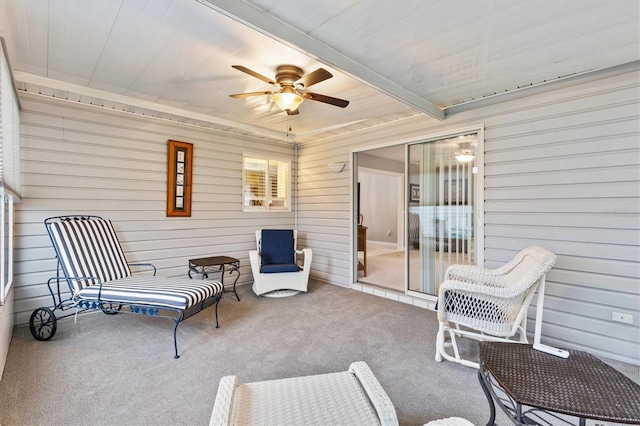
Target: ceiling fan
{"points": [[291, 87]]}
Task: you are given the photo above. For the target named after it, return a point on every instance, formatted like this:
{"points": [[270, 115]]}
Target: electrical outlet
{"points": [[620, 317]]}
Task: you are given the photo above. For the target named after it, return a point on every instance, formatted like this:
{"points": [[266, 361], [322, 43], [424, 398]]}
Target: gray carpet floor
{"points": [[119, 369]]}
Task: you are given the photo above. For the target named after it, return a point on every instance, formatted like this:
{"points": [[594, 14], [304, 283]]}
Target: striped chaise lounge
{"points": [[94, 266]]}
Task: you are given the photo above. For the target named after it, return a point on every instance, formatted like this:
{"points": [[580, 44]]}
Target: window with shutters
{"points": [[266, 184], [10, 183]]}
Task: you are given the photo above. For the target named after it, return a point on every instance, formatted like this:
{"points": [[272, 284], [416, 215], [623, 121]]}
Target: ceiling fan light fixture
{"points": [[287, 99], [292, 85], [465, 156]]}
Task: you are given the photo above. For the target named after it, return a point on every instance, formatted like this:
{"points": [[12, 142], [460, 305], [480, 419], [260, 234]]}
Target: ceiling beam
{"points": [[271, 26]]}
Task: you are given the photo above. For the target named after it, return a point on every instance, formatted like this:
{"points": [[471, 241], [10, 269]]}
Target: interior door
{"points": [[442, 179]]}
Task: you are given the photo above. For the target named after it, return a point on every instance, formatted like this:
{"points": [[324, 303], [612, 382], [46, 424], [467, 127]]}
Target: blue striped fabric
{"points": [[88, 248], [180, 293]]}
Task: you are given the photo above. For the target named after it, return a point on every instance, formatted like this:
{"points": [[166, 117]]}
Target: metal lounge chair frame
{"points": [[91, 261]]}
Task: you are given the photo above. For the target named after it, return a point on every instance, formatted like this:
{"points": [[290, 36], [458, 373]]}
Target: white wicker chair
{"points": [[488, 304]]}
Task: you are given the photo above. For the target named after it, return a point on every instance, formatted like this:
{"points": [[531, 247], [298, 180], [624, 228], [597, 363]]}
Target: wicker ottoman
{"points": [[349, 397]]}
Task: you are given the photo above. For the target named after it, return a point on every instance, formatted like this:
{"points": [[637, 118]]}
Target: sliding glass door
{"points": [[441, 177]]}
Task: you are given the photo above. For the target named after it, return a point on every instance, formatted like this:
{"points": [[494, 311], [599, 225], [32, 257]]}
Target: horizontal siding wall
{"points": [[78, 159], [562, 170], [323, 213]]}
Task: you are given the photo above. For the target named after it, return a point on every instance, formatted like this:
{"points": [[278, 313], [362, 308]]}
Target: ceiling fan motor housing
{"points": [[286, 75]]}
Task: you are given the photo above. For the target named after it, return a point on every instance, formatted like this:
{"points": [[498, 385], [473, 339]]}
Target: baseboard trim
{"points": [[394, 295]]}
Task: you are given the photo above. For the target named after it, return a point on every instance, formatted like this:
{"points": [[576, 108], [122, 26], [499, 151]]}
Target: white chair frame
{"points": [[509, 289], [266, 283]]}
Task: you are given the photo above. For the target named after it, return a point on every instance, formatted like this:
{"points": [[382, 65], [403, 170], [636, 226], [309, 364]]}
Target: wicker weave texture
{"points": [[493, 300], [488, 304], [581, 385], [224, 400], [335, 398], [378, 397]]}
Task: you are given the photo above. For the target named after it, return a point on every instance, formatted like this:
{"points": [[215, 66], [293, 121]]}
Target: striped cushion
{"points": [[88, 247], [180, 293]]}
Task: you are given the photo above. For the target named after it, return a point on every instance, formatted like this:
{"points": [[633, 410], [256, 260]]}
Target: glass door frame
{"points": [[478, 208]]}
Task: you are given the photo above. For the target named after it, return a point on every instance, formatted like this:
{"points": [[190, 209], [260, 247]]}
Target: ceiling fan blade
{"points": [[249, 94], [314, 77], [294, 112], [326, 99], [254, 74]]}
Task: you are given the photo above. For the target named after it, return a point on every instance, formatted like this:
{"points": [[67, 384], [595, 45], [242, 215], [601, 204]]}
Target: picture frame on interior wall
{"points": [[179, 169], [456, 192], [414, 192]]}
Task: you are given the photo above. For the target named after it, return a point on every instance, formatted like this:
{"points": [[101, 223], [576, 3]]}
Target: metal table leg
{"points": [[225, 264], [485, 389], [234, 268]]}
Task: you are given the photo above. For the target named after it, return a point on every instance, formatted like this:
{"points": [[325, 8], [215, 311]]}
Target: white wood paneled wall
{"points": [[562, 170], [79, 159]]}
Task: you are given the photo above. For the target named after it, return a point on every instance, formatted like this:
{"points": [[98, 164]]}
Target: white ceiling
{"points": [[390, 59]]}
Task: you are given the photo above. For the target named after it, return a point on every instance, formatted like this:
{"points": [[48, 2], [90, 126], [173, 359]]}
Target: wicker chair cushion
{"points": [[336, 398]]}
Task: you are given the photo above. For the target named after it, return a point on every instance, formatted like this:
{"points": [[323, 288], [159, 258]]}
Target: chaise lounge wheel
{"points": [[111, 308], [43, 324]]}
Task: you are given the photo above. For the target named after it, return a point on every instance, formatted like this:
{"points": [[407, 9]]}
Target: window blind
{"points": [[266, 184], [255, 182]]}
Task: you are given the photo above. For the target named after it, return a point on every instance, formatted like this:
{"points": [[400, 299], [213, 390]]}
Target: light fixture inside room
{"points": [[465, 156], [287, 99]]}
